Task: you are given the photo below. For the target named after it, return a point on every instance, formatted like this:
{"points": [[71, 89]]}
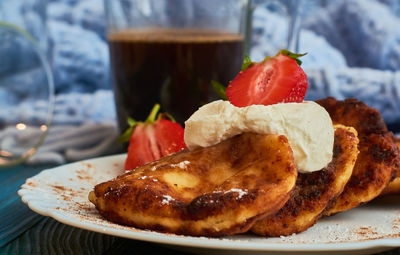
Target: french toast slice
{"points": [[394, 186], [378, 159], [219, 190], [314, 191]]}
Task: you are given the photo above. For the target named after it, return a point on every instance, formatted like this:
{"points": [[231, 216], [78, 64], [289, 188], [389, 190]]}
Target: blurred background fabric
{"points": [[353, 50]]}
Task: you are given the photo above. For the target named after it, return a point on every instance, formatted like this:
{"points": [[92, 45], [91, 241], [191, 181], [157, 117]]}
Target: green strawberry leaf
{"points": [[246, 63], [153, 114], [126, 135], [219, 89], [132, 123], [292, 55]]}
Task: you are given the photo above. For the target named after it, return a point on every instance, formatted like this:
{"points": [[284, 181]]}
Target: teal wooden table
{"points": [[23, 231]]}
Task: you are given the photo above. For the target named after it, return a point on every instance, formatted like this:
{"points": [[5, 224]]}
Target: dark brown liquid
{"points": [[171, 67]]}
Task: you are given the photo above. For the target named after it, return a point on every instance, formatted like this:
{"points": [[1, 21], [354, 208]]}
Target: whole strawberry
{"points": [[278, 79], [153, 139]]}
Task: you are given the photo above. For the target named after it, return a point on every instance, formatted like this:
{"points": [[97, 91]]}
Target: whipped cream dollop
{"points": [[307, 126]]}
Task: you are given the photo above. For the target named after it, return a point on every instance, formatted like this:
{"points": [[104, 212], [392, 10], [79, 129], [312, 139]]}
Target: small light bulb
{"points": [[20, 126]]}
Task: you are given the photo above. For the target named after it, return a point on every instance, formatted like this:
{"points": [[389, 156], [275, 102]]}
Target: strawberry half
{"points": [[279, 79], [152, 139]]}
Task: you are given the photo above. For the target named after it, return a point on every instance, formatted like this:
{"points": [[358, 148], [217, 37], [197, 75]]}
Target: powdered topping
{"points": [[181, 165], [166, 199], [240, 191], [145, 177]]}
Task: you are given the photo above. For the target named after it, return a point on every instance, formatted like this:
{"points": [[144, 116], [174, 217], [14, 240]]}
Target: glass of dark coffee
{"points": [[169, 51]]}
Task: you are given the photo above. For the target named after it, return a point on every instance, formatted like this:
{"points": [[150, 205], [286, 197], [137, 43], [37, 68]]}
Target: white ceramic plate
{"points": [[61, 193]]}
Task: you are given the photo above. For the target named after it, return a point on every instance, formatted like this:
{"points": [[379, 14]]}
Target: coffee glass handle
{"points": [[291, 8]]}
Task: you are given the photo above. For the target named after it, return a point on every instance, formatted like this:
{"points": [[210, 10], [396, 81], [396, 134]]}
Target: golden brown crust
{"points": [[315, 190], [378, 160], [353, 113], [220, 190], [394, 186]]}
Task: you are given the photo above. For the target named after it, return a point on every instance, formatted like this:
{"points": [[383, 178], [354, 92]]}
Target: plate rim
{"points": [[188, 241]]}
